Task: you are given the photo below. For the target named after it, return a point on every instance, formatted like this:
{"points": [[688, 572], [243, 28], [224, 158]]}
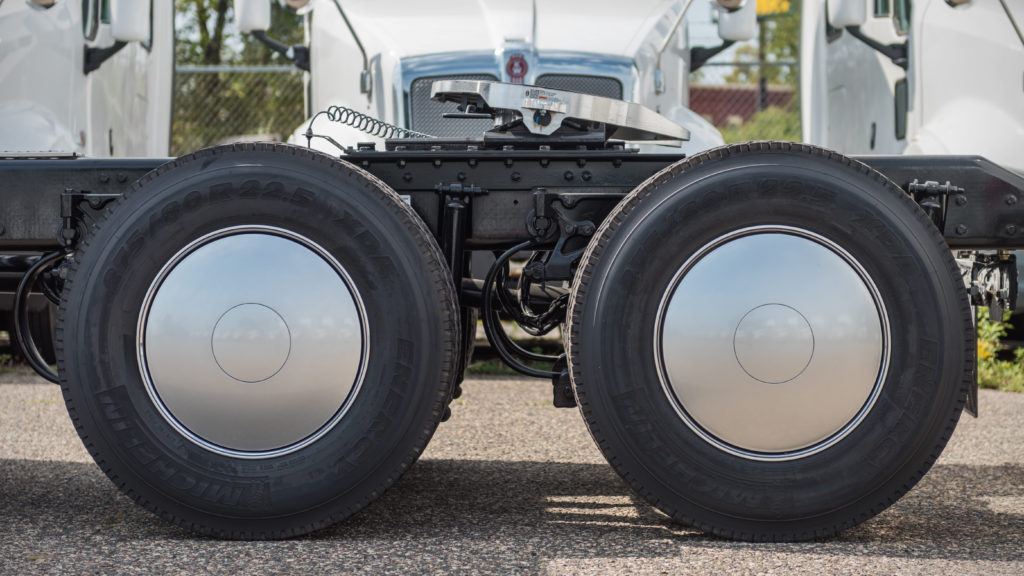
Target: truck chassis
{"points": [[769, 341]]}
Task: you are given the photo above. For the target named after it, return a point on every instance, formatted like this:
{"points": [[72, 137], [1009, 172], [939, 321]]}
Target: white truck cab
{"points": [[944, 77], [381, 58], [91, 77], [79, 78]]}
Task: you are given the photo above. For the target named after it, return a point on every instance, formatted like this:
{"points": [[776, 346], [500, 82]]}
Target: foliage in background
{"points": [[213, 107], [772, 123], [993, 371]]}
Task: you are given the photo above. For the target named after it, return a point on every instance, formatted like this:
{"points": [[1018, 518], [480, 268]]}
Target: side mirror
{"points": [[844, 13], [252, 15], [130, 20], [737, 21]]}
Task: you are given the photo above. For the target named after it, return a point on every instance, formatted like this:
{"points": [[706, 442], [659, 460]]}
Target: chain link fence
{"points": [[749, 100], [220, 104], [231, 103], [746, 93]]}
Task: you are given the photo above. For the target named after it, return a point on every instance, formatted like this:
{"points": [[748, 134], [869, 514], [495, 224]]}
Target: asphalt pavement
{"points": [[508, 485]]}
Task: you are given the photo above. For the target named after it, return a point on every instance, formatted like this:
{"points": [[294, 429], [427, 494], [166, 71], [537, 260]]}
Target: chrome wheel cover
{"points": [[252, 341], [772, 343]]}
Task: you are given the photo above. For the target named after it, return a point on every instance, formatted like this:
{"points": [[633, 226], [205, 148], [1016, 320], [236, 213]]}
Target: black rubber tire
{"points": [[629, 266], [410, 305]]}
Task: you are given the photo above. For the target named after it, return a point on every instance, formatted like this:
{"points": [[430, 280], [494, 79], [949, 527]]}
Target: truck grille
{"points": [[425, 114], [593, 85]]}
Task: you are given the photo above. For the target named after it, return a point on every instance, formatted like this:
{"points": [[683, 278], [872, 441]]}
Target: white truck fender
{"points": [[959, 128], [703, 134]]}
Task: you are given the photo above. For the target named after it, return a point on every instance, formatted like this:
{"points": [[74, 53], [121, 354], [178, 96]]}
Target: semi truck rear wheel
{"points": [[258, 341], [802, 352]]}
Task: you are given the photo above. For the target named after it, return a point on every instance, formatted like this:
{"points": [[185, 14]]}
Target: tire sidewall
{"points": [[620, 388]]}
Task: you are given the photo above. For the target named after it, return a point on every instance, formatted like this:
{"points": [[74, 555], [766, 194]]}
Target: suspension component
{"points": [[992, 281], [21, 321], [932, 197]]}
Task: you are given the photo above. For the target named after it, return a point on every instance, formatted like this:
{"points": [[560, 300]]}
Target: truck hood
{"points": [[413, 27]]}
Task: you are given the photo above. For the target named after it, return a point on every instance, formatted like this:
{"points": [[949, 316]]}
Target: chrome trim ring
{"points": [[252, 341], [772, 343]]}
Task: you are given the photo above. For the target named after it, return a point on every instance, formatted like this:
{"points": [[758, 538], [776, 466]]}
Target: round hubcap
{"points": [[792, 343], [772, 343], [252, 341]]}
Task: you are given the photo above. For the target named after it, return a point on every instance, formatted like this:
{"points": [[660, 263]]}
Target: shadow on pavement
{"points": [[507, 513]]}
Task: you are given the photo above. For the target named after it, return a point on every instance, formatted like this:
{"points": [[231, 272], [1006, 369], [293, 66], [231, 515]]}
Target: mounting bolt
{"points": [[516, 176], [586, 175], [461, 176], [104, 178], [407, 177], [568, 175], [121, 178], [1010, 199], [961, 229], [1011, 229], [960, 199]]}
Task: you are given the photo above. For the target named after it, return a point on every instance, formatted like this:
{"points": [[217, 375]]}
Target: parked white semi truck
{"points": [[915, 77], [75, 80], [78, 78], [923, 77], [381, 58]]}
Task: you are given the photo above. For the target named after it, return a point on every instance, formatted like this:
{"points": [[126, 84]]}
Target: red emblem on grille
{"points": [[516, 68]]}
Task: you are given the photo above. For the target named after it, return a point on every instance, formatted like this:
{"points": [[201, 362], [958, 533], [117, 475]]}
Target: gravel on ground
{"points": [[508, 485]]}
